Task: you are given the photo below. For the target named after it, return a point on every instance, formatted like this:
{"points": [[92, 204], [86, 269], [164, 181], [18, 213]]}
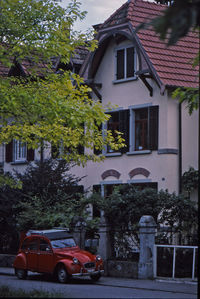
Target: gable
{"points": [[169, 66]]}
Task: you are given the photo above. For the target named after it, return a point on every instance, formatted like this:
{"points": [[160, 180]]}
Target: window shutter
{"points": [[30, 154], [54, 152], [120, 64], [153, 127], [98, 152], [130, 62], [9, 152], [124, 128]]}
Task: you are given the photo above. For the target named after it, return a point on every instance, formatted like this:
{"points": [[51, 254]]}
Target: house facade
{"points": [[136, 73]]}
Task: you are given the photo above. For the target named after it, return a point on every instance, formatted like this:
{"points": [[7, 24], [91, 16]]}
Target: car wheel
{"points": [[62, 274], [95, 277], [21, 273]]}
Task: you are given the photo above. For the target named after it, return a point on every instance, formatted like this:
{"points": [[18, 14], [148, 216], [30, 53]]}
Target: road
{"points": [[85, 288]]}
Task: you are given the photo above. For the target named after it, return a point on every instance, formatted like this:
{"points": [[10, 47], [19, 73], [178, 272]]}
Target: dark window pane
{"points": [[25, 244], [44, 245], [141, 129], [33, 245], [124, 128], [142, 186], [120, 64], [130, 62], [108, 190]]}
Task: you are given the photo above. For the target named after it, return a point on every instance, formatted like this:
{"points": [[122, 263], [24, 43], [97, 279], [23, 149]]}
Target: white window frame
{"points": [[19, 151], [125, 64]]}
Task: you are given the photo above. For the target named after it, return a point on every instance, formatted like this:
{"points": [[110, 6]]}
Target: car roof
{"points": [[52, 234]]}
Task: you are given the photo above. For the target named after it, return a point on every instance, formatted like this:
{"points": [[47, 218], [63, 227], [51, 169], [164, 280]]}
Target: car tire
{"points": [[95, 277], [21, 273], [62, 275]]}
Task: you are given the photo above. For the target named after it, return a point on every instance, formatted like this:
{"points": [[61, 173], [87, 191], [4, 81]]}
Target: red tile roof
{"points": [[173, 64]]}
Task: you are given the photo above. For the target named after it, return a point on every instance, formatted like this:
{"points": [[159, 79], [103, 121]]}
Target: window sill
{"points": [[113, 154], [124, 80], [138, 152], [19, 162]]}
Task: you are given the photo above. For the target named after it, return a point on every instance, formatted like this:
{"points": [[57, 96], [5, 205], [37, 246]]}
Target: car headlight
{"points": [[75, 261], [98, 258]]}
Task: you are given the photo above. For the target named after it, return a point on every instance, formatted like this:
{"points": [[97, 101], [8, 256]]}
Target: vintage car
{"points": [[54, 251]]}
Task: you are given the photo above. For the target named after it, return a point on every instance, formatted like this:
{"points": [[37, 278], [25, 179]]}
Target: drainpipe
{"points": [[180, 147], [199, 156]]}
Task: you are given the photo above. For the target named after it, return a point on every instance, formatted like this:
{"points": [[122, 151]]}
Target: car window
{"points": [[25, 244], [33, 245], [44, 245], [69, 242]]}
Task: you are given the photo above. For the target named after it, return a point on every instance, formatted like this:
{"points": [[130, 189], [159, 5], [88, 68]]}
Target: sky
{"points": [[98, 11]]}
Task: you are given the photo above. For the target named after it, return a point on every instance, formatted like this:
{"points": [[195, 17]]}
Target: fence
{"points": [[173, 255]]}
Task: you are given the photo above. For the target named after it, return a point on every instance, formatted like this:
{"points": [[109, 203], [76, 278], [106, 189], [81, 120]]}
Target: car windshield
{"points": [[69, 242]]}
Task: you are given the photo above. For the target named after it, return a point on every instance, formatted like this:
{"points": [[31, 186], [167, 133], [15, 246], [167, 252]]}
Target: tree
{"points": [[177, 19], [46, 108], [49, 196]]}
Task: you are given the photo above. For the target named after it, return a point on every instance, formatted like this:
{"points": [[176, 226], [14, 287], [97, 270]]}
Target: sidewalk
{"points": [[184, 287]]}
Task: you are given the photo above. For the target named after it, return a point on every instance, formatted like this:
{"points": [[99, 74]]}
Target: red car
{"points": [[54, 251]]}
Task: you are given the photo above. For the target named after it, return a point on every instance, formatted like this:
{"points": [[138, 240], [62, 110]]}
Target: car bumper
{"points": [[89, 273]]}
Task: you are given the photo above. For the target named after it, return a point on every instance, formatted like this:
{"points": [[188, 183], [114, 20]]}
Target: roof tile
{"points": [[173, 64]]}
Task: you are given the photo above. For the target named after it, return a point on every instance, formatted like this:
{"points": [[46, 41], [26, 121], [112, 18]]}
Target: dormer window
{"points": [[125, 63]]}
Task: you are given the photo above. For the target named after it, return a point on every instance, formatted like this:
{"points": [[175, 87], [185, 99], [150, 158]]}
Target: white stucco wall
{"points": [[190, 135], [163, 168]]}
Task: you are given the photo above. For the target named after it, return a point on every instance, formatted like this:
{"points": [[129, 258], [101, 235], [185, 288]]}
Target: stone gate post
{"points": [[147, 230], [104, 241]]}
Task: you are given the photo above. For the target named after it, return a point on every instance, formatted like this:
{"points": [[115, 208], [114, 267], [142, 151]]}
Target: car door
{"points": [[45, 256], [32, 254]]}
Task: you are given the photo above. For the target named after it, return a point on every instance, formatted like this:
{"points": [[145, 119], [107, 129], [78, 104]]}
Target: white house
{"points": [[137, 72]]}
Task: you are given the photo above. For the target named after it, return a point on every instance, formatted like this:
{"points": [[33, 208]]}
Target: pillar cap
{"points": [[147, 220]]}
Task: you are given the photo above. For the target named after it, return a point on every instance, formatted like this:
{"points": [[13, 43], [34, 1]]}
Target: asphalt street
{"points": [[106, 287]]}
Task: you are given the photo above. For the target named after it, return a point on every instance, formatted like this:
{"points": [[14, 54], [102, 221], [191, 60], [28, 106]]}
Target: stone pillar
{"points": [[104, 241], [147, 229]]}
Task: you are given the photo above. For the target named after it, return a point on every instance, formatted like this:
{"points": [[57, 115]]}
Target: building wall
{"points": [[163, 168], [190, 135]]}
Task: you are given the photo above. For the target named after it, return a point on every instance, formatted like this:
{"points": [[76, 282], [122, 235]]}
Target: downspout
{"points": [[180, 148]]}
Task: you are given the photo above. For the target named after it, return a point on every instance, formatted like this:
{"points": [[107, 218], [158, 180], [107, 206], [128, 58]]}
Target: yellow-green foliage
{"points": [[56, 109]]}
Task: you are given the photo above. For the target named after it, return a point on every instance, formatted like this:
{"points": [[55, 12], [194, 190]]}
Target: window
{"points": [[33, 245], [58, 152], [144, 129], [18, 152], [139, 127], [125, 63], [44, 245], [119, 121]]}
